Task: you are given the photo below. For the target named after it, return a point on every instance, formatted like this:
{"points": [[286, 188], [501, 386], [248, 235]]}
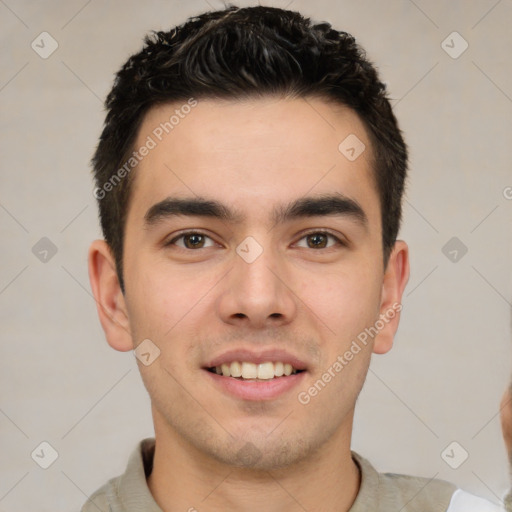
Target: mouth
{"points": [[261, 372], [263, 380]]}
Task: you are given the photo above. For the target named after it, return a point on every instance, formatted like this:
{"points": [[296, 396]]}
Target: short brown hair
{"points": [[242, 53]]}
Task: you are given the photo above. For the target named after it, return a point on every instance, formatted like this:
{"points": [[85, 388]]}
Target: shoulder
{"points": [[99, 501], [416, 493], [391, 492], [128, 491]]}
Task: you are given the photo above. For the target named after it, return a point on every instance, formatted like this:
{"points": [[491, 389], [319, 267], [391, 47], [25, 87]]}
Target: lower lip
{"points": [[256, 390]]}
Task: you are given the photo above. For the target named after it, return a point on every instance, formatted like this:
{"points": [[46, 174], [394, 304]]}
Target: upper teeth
{"points": [[262, 371]]}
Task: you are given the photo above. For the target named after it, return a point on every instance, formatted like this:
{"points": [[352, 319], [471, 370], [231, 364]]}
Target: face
{"points": [[252, 239]]}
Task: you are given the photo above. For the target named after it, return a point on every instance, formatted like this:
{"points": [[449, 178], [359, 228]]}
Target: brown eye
{"points": [[319, 240], [192, 240]]}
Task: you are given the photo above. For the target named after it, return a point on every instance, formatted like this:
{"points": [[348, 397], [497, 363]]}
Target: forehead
{"points": [[253, 153]]}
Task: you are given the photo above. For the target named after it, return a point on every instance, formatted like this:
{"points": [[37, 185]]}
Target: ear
{"points": [[109, 298], [396, 276]]}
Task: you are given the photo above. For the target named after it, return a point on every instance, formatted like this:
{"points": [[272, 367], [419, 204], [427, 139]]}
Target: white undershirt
{"points": [[464, 502]]}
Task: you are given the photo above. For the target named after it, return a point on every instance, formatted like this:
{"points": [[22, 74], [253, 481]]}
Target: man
{"points": [[249, 179]]}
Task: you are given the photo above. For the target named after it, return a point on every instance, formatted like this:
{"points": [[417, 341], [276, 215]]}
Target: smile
{"points": [[254, 388], [251, 371]]}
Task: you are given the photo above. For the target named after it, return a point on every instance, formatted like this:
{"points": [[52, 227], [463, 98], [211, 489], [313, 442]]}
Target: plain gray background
{"points": [[59, 380]]}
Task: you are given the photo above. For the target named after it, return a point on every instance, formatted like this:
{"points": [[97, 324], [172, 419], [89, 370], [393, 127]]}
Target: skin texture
{"points": [[506, 420], [195, 304], [506, 427]]}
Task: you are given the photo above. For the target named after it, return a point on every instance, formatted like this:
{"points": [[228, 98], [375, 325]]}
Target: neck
{"points": [[184, 478]]}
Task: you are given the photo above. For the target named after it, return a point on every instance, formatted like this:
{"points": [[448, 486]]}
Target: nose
{"points": [[258, 293]]}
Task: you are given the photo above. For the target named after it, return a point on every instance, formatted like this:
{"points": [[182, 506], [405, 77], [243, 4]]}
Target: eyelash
{"points": [[312, 232]]}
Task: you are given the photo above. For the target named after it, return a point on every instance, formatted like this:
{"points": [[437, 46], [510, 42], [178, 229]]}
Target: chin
{"points": [[261, 454]]}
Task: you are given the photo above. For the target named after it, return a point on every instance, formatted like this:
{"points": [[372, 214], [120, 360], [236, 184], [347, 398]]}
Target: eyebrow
{"points": [[323, 205]]}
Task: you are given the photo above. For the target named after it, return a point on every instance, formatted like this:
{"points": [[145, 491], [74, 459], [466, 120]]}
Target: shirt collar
{"points": [[134, 493]]}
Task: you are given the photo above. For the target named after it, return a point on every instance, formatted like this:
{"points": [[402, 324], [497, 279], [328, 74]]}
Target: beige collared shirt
{"points": [[382, 492]]}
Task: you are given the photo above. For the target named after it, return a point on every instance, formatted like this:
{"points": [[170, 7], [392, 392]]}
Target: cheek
{"points": [[169, 307], [159, 297], [346, 300]]}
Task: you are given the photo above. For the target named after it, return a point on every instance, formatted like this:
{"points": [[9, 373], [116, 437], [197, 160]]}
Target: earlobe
{"points": [[394, 282], [109, 298]]}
